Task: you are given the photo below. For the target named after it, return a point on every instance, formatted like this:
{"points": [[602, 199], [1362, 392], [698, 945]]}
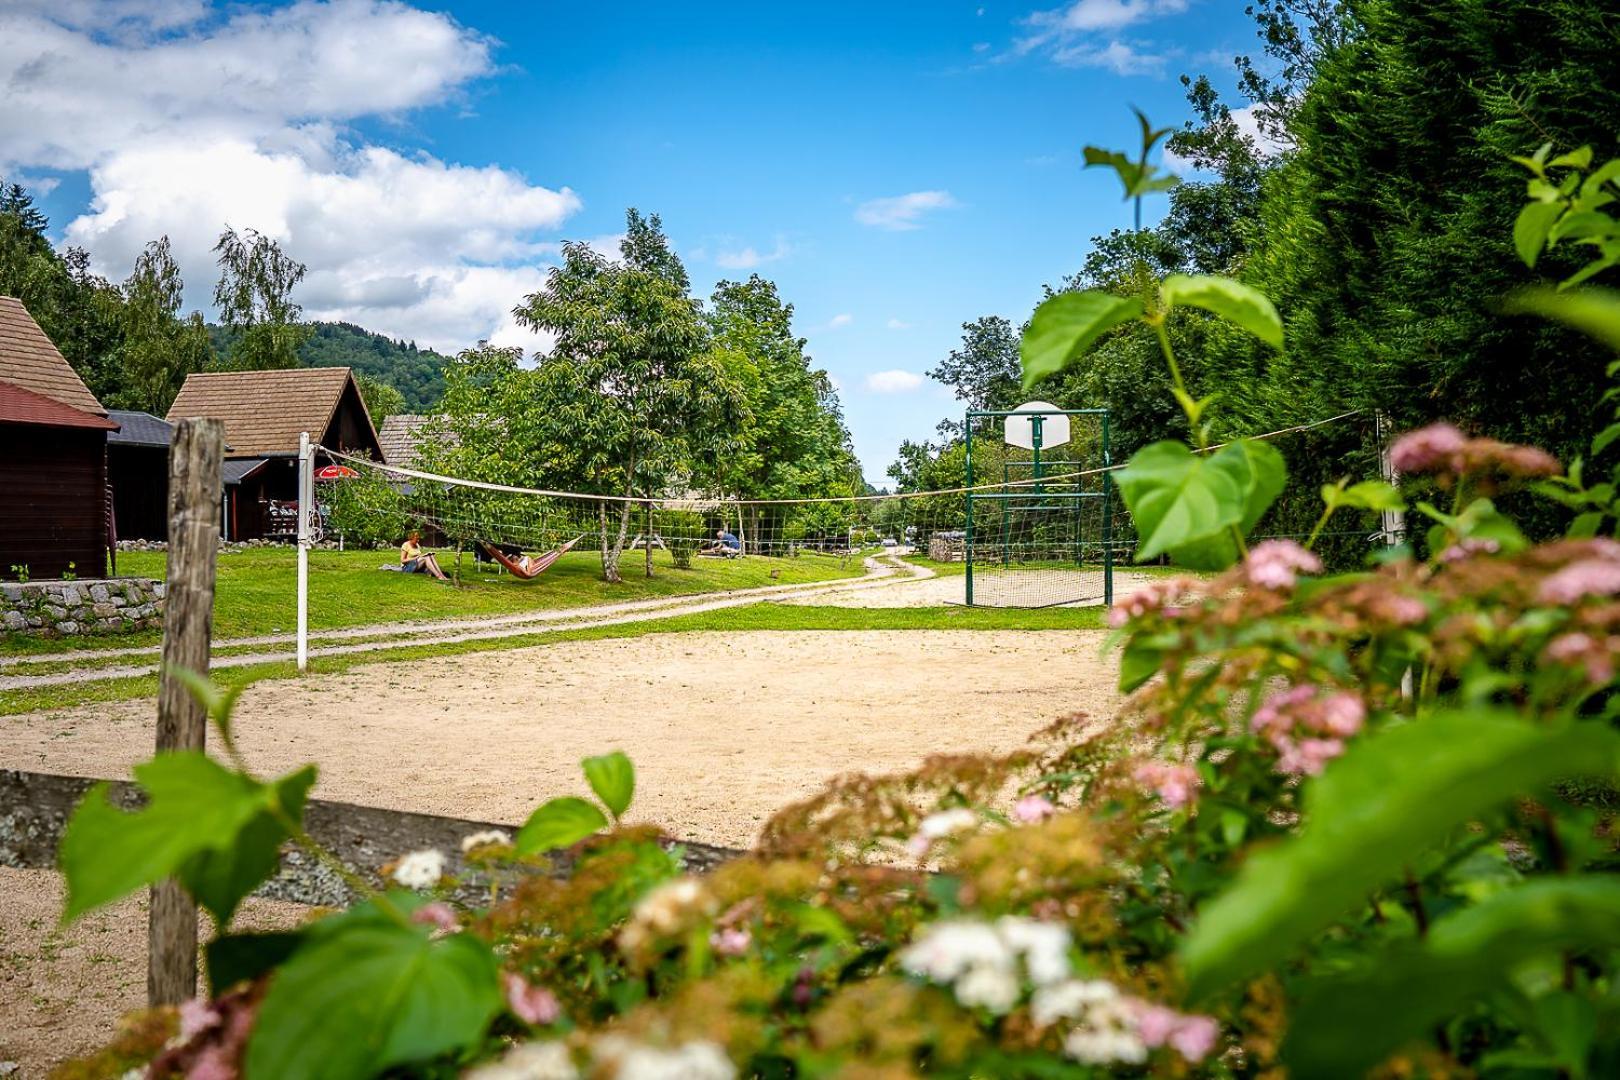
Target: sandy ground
{"points": [[723, 729], [61, 991], [1019, 588]]}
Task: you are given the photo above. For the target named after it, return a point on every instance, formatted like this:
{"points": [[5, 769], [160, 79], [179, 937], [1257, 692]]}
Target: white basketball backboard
{"points": [[1021, 429]]}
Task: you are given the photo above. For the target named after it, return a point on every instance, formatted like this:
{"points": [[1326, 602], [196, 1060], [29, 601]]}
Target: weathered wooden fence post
{"points": [[188, 621]]}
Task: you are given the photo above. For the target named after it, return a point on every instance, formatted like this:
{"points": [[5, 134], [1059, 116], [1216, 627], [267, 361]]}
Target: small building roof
{"points": [[234, 472], [138, 429], [401, 434], [22, 406], [265, 411], [30, 360]]}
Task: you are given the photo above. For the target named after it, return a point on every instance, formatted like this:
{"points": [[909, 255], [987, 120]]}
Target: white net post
{"points": [[306, 496]]}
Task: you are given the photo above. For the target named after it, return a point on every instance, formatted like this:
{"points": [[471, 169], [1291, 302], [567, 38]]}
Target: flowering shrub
{"points": [[1346, 821]]}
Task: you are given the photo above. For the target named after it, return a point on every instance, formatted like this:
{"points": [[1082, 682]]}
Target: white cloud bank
{"points": [[900, 213], [186, 122], [748, 258], [1085, 33], [896, 381]]}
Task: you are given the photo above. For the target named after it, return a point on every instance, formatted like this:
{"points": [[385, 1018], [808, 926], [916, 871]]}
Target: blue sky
{"points": [[897, 169]]}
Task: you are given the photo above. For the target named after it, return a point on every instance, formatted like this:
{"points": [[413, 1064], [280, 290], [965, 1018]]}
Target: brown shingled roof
{"points": [[20, 406], [29, 359], [264, 411]]}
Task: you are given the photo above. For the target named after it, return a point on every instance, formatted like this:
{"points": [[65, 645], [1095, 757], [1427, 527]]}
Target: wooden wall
{"points": [[53, 500], [140, 481]]}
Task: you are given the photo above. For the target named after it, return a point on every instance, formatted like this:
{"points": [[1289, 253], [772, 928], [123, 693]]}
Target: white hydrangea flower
{"points": [[420, 869], [946, 822], [530, 1061], [701, 1060], [1091, 1046], [665, 910], [993, 988], [1043, 945], [946, 950], [487, 837], [1069, 1000]]}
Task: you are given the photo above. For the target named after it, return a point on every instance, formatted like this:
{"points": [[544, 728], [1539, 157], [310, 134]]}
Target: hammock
{"points": [[536, 567]]}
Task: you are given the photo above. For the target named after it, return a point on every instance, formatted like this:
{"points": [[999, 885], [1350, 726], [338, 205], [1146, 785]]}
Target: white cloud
{"points": [[1249, 124], [839, 321], [1082, 34], [897, 381], [1116, 56], [902, 212], [748, 258], [896, 324], [186, 121]]}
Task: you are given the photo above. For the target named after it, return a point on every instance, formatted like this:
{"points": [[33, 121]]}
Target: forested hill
{"points": [[418, 374]]}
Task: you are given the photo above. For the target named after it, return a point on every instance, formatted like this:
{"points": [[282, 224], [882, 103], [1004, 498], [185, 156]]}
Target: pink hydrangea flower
{"points": [[1340, 714], [1596, 657], [1578, 580], [1473, 546], [212, 1064], [438, 915], [197, 1015], [1307, 757], [1033, 809], [1436, 448], [1194, 1037], [1174, 784], [730, 941], [1276, 713], [1276, 564], [531, 1004], [1156, 1023]]}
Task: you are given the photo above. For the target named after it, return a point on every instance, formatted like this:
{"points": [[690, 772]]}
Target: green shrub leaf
{"points": [[613, 778], [1530, 231], [239, 958], [1228, 298], [221, 879], [557, 824], [1394, 795], [1593, 311], [1346, 1024], [194, 805], [366, 993], [1183, 502], [1067, 325]]}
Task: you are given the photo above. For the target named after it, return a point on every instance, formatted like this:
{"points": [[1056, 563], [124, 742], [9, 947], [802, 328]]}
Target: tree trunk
{"points": [[610, 557], [647, 535]]}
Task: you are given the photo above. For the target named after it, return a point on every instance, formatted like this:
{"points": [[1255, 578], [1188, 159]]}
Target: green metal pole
{"points": [[967, 534]]}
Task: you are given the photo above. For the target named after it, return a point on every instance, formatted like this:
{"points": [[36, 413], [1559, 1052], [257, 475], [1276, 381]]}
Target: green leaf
{"points": [[1374, 495], [194, 805], [1067, 325], [1176, 497], [1394, 795], [1228, 298], [219, 702], [1138, 662], [1346, 1024], [221, 879], [613, 778], [1605, 438], [1592, 311], [1530, 231], [239, 958], [1575, 159], [558, 824], [367, 993]]}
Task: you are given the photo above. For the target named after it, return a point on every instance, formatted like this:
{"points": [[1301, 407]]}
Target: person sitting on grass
{"points": [[413, 560], [725, 546]]}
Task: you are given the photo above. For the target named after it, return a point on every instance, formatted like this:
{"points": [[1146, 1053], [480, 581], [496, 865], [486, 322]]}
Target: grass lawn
{"points": [[255, 592], [761, 616]]}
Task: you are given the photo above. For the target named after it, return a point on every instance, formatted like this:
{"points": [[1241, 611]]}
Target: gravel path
{"points": [[879, 572]]}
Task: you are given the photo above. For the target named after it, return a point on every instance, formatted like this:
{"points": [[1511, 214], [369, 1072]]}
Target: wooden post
{"points": [[182, 724]]}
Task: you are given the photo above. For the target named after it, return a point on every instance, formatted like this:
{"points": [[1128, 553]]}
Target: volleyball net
{"points": [[1037, 523]]}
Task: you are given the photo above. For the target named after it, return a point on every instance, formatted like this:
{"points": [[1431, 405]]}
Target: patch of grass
{"points": [[750, 617], [255, 591]]}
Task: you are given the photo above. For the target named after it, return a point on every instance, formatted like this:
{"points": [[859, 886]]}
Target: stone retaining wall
{"points": [[66, 608]]}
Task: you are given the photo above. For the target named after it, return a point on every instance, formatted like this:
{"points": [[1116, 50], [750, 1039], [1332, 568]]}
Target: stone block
{"points": [[98, 592], [13, 620], [54, 612], [67, 626], [104, 610]]}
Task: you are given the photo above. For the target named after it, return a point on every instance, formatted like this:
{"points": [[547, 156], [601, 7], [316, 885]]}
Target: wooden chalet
{"points": [[54, 505], [138, 470], [264, 412]]}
